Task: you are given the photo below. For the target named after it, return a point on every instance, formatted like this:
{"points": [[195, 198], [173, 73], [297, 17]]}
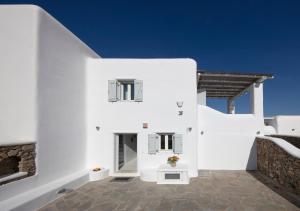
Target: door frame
{"points": [[116, 151]]}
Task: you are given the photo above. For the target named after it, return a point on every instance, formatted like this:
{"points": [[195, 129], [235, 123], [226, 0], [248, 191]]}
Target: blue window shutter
{"points": [[112, 90], [138, 90], [152, 143], [118, 87], [177, 144]]}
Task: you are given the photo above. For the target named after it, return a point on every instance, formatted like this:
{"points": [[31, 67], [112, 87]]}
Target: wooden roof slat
{"points": [[221, 85], [218, 97], [219, 92], [223, 88], [226, 82]]}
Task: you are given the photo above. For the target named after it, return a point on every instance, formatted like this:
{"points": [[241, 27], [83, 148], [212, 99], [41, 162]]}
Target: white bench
{"points": [[166, 174]]}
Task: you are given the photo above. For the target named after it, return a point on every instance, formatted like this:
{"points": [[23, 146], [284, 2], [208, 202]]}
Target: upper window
{"points": [[166, 142], [126, 90]]}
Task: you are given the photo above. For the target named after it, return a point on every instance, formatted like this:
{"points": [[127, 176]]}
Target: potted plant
{"points": [[172, 160], [97, 169], [98, 173]]}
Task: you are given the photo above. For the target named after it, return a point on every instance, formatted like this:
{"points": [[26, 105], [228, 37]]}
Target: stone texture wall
{"points": [[278, 165], [25, 154], [291, 139]]}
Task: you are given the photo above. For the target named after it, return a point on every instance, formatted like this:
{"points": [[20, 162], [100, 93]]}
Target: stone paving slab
{"points": [[217, 190]]}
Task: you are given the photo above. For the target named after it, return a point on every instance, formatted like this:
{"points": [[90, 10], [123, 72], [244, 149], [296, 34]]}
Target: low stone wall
{"points": [[277, 164], [294, 140], [17, 158]]}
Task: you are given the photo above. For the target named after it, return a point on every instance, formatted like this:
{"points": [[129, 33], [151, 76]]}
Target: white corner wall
{"points": [[165, 81], [227, 141], [61, 98], [285, 125], [45, 66]]}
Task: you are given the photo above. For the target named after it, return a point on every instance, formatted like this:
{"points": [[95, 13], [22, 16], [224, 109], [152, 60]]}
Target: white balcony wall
{"points": [[226, 141], [285, 124]]}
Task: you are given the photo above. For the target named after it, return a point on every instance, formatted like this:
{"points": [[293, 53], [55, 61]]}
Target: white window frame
{"points": [[120, 84], [166, 149]]}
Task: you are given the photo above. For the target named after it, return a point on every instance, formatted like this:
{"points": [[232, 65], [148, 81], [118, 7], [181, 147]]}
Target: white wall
{"points": [[52, 77], [165, 81], [226, 141], [285, 125], [18, 48]]}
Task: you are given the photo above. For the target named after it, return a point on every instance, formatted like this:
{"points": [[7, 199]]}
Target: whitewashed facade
{"points": [[75, 105]]}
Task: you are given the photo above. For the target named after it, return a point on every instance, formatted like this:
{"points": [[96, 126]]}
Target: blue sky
{"points": [[239, 36]]}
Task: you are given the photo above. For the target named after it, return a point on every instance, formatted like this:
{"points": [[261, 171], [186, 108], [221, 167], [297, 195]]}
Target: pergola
{"points": [[227, 85]]}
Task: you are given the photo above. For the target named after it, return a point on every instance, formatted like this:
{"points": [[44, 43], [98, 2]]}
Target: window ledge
{"points": [[166, 151]]}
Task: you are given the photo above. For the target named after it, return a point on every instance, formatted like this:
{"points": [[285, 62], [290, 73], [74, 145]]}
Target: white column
{"points": [[257, 101], [230, 106]]}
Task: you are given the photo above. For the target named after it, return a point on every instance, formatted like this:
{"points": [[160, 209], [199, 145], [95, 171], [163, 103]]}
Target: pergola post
{"points": [[257, 107], [230, 106]]}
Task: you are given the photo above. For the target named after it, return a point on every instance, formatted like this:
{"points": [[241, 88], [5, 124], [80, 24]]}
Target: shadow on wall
{"points": [[252, 160], [261, 174], [282, 191]]}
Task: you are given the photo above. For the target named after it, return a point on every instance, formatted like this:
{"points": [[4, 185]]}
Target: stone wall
{"points": [[294, 140], [278, 165], [24, 154]]}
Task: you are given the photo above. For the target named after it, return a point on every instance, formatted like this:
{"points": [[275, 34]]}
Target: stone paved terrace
{"points": [[214, 190]]}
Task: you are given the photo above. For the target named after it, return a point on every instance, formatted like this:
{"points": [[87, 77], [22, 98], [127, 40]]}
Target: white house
{"points": [[126, 115]]}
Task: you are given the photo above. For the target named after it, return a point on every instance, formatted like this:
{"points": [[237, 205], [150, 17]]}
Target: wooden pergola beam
{"points": [[220, 86], [225, 82], [221, 89], [233, 75], [219, 96], [230, 85], [221, 93]]}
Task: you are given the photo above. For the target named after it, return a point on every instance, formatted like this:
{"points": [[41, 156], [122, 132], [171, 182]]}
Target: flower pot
{"points": [[173, 164], [98, 175]]}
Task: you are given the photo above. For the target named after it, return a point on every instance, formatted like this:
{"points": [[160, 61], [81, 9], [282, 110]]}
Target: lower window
{"points": [[166, 142]]}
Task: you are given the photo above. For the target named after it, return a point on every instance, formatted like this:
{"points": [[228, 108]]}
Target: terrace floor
{"points": [[212, 190]]}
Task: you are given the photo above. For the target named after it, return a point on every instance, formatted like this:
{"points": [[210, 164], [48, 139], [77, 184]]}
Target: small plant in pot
{"points": [[96, 169], [172, 160]]}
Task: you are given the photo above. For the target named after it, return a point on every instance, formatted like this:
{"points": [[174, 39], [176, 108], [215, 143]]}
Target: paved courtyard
{"points": [[212, 190]]}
